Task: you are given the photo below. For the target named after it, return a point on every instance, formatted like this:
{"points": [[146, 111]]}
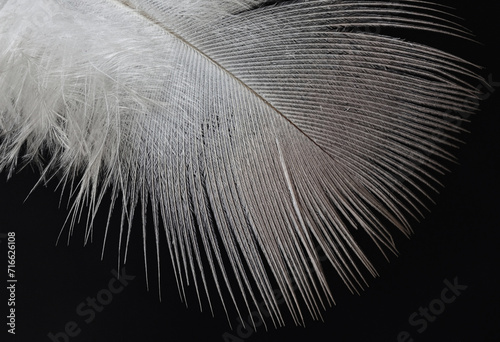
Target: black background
{"points": [[458, 239]]}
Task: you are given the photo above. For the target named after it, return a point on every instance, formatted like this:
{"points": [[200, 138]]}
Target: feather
{"points": [[259, 133]]}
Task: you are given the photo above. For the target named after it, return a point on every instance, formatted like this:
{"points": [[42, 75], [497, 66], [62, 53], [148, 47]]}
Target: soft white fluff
{"points": [[267, 133]]}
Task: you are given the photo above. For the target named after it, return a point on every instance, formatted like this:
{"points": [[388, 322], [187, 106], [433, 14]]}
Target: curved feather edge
{"points": [[265, 132]]}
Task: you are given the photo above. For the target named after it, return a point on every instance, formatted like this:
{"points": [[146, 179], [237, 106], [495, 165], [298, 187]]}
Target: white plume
{"points": [[263, 131]]}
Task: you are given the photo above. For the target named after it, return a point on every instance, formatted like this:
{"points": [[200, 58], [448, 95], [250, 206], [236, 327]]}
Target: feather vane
{"points": [[264, 132]]}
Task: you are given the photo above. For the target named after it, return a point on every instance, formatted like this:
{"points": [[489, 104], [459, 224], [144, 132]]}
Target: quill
{"points": [[259, 133]]}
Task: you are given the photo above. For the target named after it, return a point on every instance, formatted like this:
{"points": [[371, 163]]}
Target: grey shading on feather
{"points": [[263, 132]]}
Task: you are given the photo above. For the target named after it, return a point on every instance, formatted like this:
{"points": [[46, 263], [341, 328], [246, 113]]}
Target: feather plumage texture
{"points": [[262, 131]]}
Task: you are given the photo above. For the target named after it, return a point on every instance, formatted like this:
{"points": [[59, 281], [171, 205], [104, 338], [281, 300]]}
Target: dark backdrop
{"points": [[457, 243]]}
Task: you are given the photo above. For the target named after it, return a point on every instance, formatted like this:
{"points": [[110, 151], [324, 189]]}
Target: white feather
{"points": [[265, 132]]}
